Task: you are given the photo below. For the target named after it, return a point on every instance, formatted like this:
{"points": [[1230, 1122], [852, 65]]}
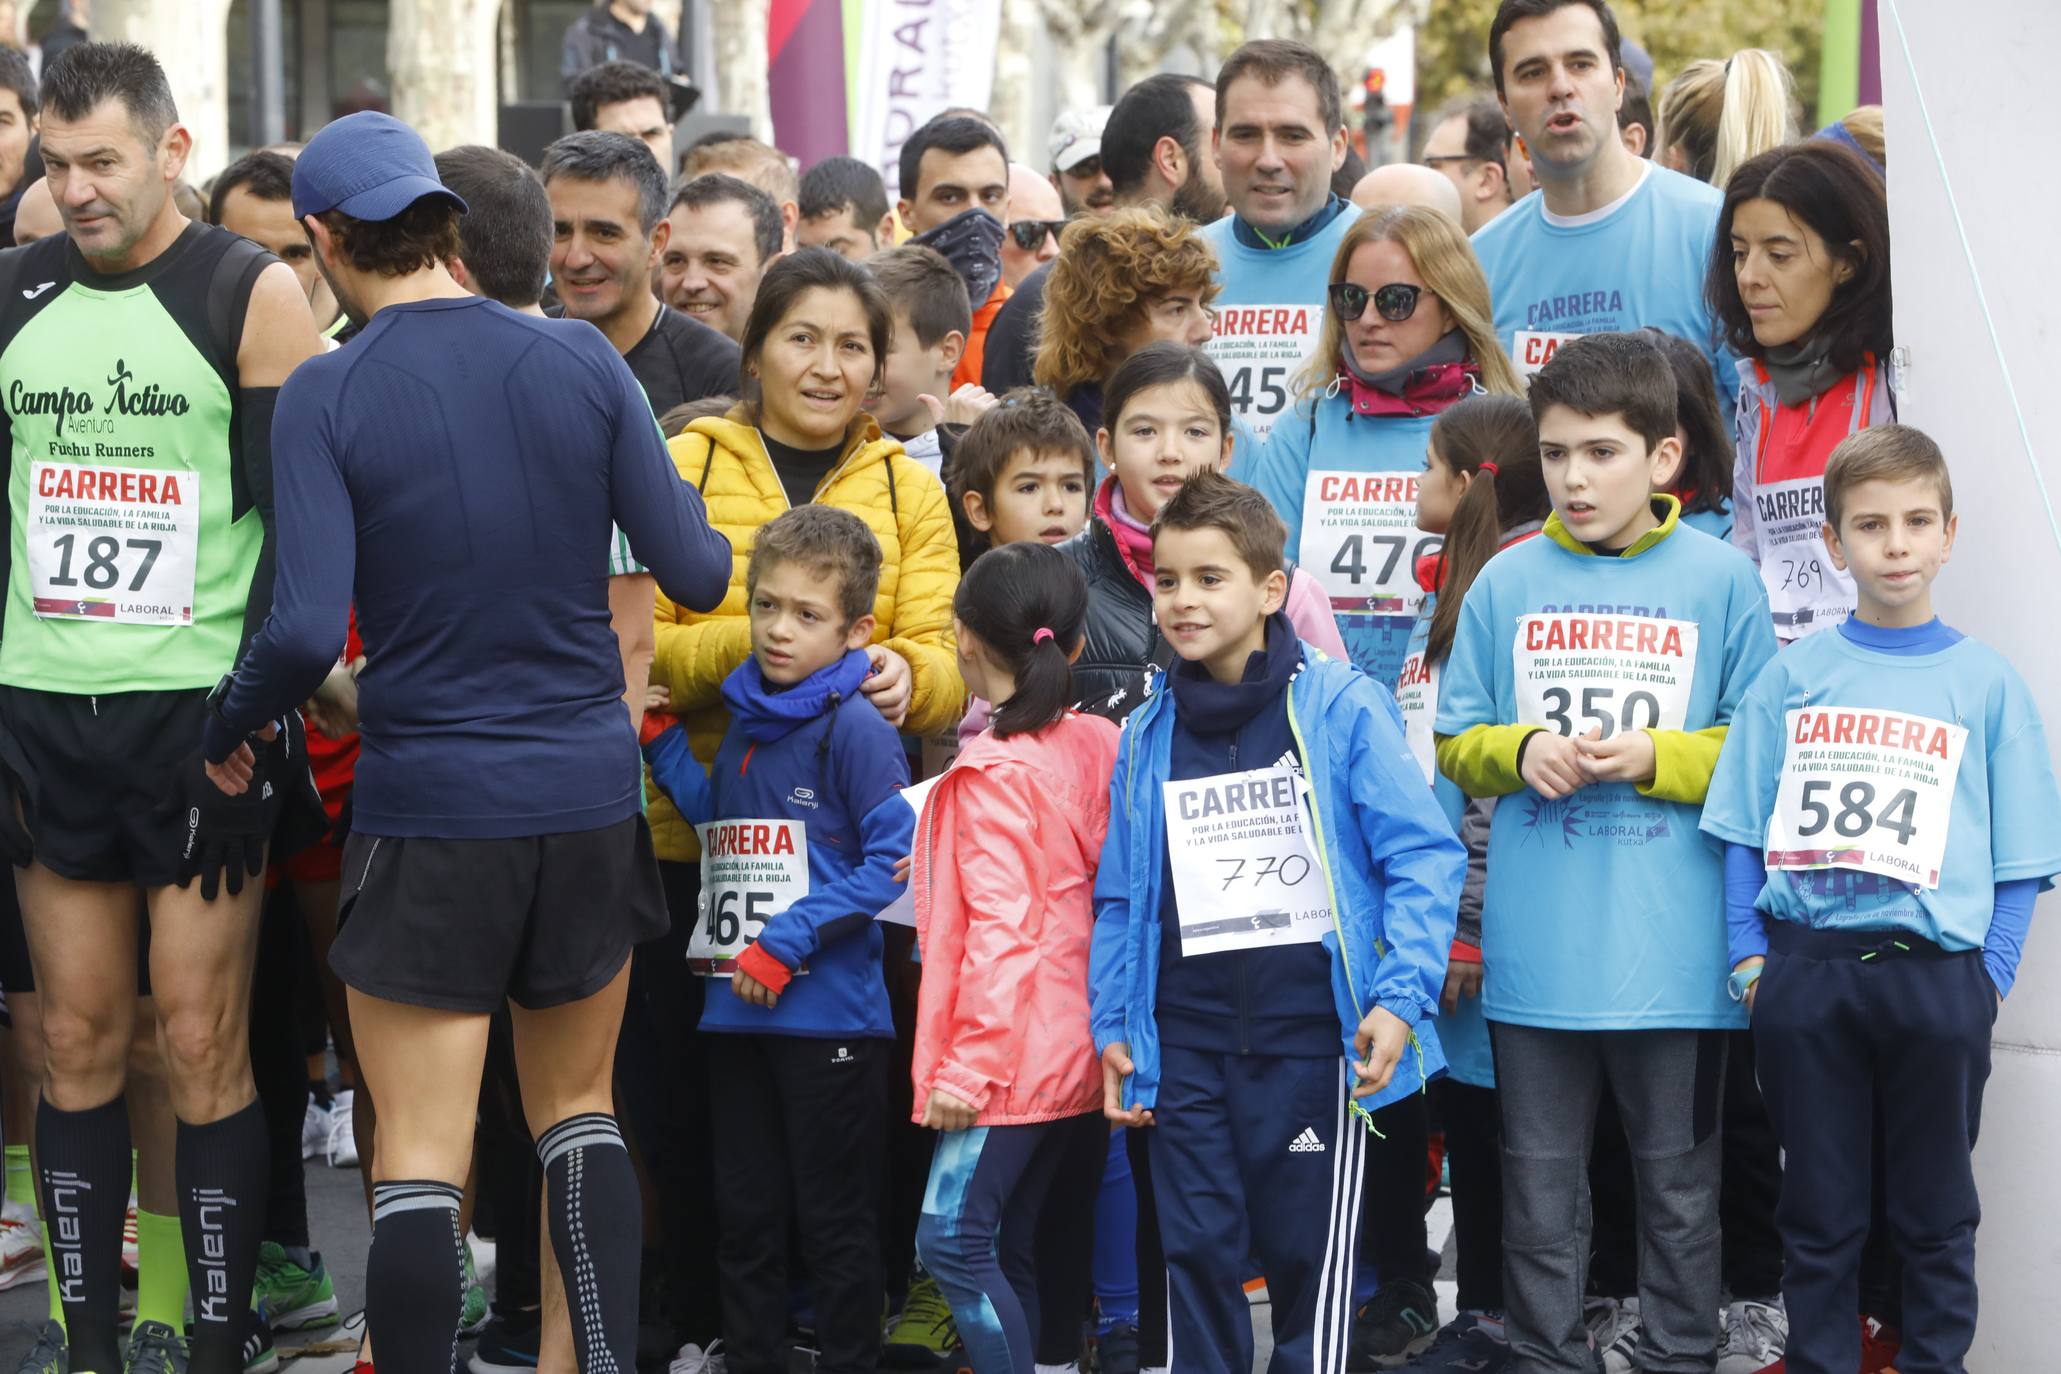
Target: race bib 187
{"points": [[1260, 347], [1532, 349], [113, 544], [1866, 790], [1577, 673], [1245, 873], [751, 871], [1361, 542], [1416, 696]]}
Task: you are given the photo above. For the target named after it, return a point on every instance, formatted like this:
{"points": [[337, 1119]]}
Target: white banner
{"points": [[917, 58]]}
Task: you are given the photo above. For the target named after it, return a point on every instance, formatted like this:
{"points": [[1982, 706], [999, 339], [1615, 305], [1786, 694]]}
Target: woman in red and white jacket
{"points": [[1005, 859]]}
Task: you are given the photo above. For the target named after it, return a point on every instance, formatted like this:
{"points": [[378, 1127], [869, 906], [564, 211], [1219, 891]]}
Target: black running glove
{"points": [[225, 834]]}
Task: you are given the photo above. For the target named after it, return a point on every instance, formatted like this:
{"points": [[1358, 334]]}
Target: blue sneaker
{"points": [[507, 1346]]}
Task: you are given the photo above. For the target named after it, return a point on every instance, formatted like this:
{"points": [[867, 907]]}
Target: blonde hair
{"points": [[1865, 125], [1446, 262], [1108, 271], [1723, 113]]}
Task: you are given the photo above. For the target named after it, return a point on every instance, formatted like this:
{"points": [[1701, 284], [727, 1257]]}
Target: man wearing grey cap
{"points": [[1077, 162], [458, 474]]}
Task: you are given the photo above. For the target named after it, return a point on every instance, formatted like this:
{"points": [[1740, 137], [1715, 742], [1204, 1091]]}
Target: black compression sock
{"points": [[596, 1220], [223, 1168], [85, 1174], [415, 1277]]}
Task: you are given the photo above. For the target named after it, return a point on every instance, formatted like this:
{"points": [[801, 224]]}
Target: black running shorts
{"points": [[468, 925]]}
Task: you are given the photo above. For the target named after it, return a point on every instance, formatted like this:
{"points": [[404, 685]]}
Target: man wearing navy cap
{"points": [[140, 360], [459, 472]]}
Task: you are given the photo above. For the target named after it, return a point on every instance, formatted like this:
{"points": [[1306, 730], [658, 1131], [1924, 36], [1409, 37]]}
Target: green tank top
{"points": [[132, 533]]}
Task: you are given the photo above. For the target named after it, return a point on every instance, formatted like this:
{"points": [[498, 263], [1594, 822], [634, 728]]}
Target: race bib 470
{"points": [[1866, 790], [1578, 673], [1361, 542], [751, 871], [113, 544]]}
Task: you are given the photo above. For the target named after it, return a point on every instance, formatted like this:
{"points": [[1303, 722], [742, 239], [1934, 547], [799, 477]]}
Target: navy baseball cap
{"points": [[369, 165]]}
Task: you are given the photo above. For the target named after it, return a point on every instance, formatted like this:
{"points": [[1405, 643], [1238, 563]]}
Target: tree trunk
{"points": [[1015, 101], [192, 42], [441, 57], [743, 63]]}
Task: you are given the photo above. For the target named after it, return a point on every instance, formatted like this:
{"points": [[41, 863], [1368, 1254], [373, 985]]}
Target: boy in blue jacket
{"points": [[1888, 813], [1590, 684], [1272, 917], [801, 827]]}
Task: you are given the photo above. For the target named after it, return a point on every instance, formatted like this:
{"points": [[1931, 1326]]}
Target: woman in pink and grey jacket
{"points": [[1005, 861]]}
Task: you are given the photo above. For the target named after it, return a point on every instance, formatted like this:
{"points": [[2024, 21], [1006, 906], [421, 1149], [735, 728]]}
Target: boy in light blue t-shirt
{"points": [[1589, 686], [1888, 813]]}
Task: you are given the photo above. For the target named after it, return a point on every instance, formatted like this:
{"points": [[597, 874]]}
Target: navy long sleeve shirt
{"points": [[454, 473]]}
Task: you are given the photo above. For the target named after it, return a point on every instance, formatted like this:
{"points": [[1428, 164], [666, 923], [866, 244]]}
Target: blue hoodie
{"points": [[1393, 867], [819, 755]]}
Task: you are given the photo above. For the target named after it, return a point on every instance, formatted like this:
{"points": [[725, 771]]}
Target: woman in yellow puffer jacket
{"points": [[813, 347]]}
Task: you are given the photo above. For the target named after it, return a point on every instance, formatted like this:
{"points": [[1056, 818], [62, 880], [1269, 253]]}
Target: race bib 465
{"points": [[1866, 790], [1579, 673], [751, 871]]}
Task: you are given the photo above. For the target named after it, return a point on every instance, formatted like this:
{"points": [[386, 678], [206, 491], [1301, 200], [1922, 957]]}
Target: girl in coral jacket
{"points": [[1005, 861]]}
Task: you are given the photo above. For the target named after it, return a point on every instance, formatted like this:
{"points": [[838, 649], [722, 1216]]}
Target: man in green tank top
{"points": [[140, 359]]}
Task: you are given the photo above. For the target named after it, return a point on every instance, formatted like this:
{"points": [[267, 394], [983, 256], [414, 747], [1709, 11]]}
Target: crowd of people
{"points": [[992, 779]]}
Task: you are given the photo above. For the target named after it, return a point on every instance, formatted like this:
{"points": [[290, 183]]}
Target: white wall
{"points": [[1984, 66]]}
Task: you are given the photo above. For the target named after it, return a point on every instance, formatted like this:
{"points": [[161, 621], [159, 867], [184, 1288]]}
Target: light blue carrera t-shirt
{"points": [[1269, 315]]}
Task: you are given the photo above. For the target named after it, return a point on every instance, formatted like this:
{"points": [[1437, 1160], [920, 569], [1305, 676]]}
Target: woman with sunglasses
{"points": [[1121, 281], [1408, 332]]}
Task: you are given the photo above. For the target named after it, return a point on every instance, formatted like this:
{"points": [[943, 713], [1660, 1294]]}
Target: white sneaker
{"points": [[341, 1147], [314, 1129], [1619, 1356], [1756, 1335], [484, 1253], [21, 1247], [692, 1359]]}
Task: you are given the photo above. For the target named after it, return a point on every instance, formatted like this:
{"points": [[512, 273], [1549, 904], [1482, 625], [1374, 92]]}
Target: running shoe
{"points": [[21, 1247], [505, 1346], [259, 1356], [48, 1355], [692, 1359], [1620, 1351], [1756, 1333], [472, 1317], [1472, 1342], [296, 1299], [342, 1148], [155, 1348], [315, 1128], [1399, 1322], [1117, 1350], [924, 1332]]}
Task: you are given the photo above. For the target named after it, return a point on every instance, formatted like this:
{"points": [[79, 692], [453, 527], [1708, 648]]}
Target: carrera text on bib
{"points": [[1866, 790], [1416, 696], [1246, 875], [751, 871], [113, 544], [1361, 542], [1805, 591], [1532, 349], [1577, 673], [1260, 347]]}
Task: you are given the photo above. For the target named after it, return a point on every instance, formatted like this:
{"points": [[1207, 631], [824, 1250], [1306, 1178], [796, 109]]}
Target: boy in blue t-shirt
{"points": [[801, 825], [1589, 686], [1888, 813]]}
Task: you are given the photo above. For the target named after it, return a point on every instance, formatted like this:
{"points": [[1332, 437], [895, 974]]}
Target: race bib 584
{"points": [[1866, 790], [751, 871], [113, 544], [1581, 673]]}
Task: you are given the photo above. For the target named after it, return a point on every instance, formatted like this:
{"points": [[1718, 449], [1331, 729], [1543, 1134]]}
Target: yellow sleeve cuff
{"points": [[1482, 760], [1683, 762]]}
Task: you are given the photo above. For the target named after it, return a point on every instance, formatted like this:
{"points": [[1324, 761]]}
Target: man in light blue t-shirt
{"points": [[1279, 135], [1611, 241]]}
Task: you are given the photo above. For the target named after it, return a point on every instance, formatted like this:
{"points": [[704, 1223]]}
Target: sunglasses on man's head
{"points": [[1394, 302], [1030, 233]]}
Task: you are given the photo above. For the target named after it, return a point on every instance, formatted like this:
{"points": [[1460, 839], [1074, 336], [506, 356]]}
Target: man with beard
{"points": [[608, 200], [1154, 149], [1077, 172]]}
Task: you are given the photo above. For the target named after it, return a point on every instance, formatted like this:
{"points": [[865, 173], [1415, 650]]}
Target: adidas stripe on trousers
{"points": [[1256, 1155]]}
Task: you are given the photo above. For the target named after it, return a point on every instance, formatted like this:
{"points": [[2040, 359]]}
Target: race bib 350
{"points": [[1579, 673]]}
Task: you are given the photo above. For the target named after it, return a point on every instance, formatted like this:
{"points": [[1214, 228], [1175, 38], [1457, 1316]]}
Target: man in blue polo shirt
{"points": [[1279, 136], [456, 474], [1612, 242]]}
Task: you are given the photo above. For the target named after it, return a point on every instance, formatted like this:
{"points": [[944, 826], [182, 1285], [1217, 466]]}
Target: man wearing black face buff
{"points": [[955, 198]]}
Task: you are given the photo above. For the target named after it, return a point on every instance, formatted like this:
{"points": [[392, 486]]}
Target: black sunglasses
{"points": [[1030, 233], [1394, 302]]}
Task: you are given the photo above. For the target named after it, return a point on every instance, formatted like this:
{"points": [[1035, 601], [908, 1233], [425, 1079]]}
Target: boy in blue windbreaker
{"points": [[1888, 812], [801, 825], [1591, 679], [1272, 918]]}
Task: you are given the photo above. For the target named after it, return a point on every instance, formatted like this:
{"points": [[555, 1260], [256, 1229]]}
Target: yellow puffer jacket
{"points": [[904, 506]]}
